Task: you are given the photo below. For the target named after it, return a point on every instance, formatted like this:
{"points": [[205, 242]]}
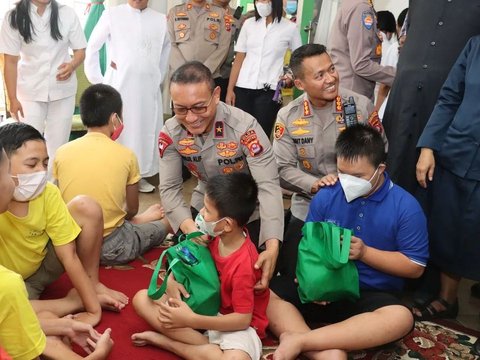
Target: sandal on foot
{"points": [[429, 312]]}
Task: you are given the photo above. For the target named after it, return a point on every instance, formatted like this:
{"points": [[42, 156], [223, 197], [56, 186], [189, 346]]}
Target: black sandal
{"points": [[429, 312]]}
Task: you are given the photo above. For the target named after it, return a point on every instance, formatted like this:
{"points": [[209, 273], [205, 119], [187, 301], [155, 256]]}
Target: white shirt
{"points": [[40, 59], [265, 48], [390, 58]]}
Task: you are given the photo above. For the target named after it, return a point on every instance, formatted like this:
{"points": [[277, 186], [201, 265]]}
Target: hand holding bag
{"points": [[324, 272], [192, 266]]}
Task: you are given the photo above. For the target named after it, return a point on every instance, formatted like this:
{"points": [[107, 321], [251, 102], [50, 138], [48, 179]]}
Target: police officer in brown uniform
{"points": [[305, 135], [199, 31], [356, 48], [211, 138]]}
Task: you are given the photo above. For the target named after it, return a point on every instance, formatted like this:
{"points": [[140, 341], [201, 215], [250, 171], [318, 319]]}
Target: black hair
{"points": [[386, 22], [14, 135], [234, 195], [97, 103], [401, 17], [193, 72], [361, 140], [1, 153], [277, 10], [303, 52], [20, 20]]}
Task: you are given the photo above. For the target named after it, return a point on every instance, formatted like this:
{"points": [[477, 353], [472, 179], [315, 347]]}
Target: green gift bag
{"points": [[192, 266], [324, 272]]}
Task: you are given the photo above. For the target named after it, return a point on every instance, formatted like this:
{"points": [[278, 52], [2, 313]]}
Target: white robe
{"points": [[138, 48]]}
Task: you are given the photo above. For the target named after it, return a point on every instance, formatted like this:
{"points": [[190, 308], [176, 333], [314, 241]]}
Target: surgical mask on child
{"points": [[117, 130], [291, 7], [30, 185], [355, 187], [207, 227], [264, 9]]}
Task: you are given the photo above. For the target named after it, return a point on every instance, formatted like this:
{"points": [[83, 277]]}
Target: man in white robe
{"points": [[138, 47]]}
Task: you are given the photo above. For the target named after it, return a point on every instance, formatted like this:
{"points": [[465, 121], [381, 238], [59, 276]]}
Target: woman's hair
{"points": [[277, 10], [20, 20]]}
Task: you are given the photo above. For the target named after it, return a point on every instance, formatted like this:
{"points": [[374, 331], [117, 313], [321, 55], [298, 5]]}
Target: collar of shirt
{"points": [[381, 192], [132, 9], [46, 13]]}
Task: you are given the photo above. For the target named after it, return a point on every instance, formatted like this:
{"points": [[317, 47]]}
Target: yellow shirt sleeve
{"points": [[20, 333]]}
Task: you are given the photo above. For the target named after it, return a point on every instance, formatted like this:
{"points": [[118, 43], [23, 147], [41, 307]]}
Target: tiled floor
{"points": [[469, 306]]}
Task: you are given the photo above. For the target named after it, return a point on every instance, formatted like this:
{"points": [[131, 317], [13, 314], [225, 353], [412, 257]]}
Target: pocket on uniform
{"points": [[182, 31], [212, 31]]}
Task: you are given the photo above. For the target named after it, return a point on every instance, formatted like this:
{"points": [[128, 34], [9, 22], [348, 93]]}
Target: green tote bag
{"points": [[324, 272], [192, 266]]}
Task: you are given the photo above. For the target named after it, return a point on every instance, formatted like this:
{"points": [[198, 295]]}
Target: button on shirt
{"points": [[265, 47], [40, 59], [390, 220]]}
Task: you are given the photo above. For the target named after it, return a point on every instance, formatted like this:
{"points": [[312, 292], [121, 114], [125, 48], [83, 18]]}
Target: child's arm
{"points": [[177, 314], [67, 255]]}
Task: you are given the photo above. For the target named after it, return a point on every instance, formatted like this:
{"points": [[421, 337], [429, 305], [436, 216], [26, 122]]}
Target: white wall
{"points": [[394, 6]]}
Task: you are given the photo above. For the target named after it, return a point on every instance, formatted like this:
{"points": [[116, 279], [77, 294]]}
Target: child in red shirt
{"points": [[236, 332]]}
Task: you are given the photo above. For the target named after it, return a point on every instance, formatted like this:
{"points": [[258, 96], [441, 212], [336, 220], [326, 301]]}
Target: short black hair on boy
{"points": [[14, 135], [193, 72], [386, 21], [234, 195], [300, 54], [98, 103], [361, 140]]}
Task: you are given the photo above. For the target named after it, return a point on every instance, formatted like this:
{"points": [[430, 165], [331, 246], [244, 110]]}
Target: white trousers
{"points": [[53, 119]]}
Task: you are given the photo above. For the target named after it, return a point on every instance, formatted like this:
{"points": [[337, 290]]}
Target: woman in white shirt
{"points": [[39, 71], [258, 65]]}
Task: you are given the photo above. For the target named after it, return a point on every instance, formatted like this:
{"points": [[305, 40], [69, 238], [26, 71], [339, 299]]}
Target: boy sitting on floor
{"points": [[236, 331], [22, 335], [96, 166], [41, 237]]}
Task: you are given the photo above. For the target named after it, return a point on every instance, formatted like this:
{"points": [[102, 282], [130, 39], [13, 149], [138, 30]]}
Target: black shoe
{"points": [[475, 290], [476, 346]]}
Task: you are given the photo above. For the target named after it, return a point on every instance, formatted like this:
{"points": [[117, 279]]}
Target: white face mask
{"points": [[207, 227], [264, 9], [30, 185], [355, 187]]}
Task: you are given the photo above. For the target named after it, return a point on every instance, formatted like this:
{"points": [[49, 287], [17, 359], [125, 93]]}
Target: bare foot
{"points": [[151, 338], [109, 303], [116, 295], [153, 213], [289, 347]]}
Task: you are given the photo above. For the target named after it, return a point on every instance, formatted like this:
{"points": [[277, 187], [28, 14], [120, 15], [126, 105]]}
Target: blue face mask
{"points": [[291, 7]]}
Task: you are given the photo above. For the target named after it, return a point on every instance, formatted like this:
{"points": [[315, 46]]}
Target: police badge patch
{"points": [[164, 141]]}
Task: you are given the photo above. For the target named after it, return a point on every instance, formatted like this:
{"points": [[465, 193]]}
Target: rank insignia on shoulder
{"points": [[375, 122], [164, 141], [367, 20], [306, 108], [300, 132], [219, 129], [279, 130], [300, 122]]}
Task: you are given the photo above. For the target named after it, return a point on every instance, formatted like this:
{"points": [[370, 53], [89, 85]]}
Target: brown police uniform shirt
{"points": [[234, 28], [236, 142], [356, 48], [199, 34], [304, 143]]}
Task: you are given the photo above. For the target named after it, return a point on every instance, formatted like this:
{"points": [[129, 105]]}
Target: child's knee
{"points": [[140, 299], [83, 208]]}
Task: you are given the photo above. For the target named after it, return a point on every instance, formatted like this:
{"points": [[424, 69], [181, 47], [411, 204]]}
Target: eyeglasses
{"points": [[194, 109]]}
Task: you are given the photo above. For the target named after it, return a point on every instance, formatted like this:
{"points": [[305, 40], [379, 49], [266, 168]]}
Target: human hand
{"points": [[327, 180], [425, 166], [103, 345], [79, 332], [357, 248], [175, 290], [16, 109], [175, 313], [230, 98], [266, 261], [65, 71]]}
